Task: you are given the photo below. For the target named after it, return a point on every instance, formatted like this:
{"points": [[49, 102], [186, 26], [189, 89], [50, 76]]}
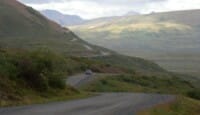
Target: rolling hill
{"points": [[31, 71], [22, 27], [171, 38], [62, 19]]}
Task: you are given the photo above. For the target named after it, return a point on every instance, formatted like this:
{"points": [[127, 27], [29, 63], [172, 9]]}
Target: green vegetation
{"points": [[22, 27], [132, 63], [27, 76], [182, 106], [194, 94], [38, 76], [140, 83], [31, 76], [171, 39]]}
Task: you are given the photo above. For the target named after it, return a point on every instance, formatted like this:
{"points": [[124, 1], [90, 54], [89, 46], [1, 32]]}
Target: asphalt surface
{"points": [[103, 104], [82, 79]]}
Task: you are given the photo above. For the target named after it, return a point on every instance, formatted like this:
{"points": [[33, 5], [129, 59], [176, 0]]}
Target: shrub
{"points": [[55, 82], [194, 94], [38, 70], [32, 74]]}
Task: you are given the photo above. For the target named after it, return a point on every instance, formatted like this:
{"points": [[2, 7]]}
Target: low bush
{"points": [[139, 83], [39, 70], [194, 94]]}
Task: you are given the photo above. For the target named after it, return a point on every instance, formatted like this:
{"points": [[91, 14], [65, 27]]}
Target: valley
{"points": [[162, 37], [103, 66]]}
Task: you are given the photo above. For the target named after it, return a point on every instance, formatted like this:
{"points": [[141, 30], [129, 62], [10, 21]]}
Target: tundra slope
{"points": [[171, 38], [22, 27]]}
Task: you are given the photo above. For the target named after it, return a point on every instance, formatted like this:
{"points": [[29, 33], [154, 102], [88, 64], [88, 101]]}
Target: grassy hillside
{"points": [[31, 73], [141, 83], [28, 77], [31, 77], [24, 28], [183, 106], [132, 63], [188, 95], [171, 39], [36, 76]]}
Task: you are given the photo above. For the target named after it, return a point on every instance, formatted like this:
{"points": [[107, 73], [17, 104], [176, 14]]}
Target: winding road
{"points": [[80, 79], [103, 104]]}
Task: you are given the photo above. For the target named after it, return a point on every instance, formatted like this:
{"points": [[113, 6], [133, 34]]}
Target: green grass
{"points": [[28, 77], [32, 97], [160, 37], [23, 27], [182, 106], [132, 63], [139, 83]]}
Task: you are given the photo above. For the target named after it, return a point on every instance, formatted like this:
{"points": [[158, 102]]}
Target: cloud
{"points": [[100, 8], [39, 1], [97, 1]]}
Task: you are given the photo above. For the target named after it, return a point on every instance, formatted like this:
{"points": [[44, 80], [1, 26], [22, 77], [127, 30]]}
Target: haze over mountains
{"points": [[23, 28], [39, 60], [157, 36], [132, 13], [62, 19], [70, 20], [171, 38]]}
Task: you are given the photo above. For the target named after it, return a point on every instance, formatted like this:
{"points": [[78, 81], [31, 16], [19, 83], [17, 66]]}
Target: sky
{"points": [[89, 9]]}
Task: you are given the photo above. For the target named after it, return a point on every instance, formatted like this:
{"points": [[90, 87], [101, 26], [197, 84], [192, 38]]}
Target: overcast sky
{"points": [[100, 8]]}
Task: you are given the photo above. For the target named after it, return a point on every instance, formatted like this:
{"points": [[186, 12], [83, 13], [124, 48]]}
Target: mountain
{"points": [[22, 27], [171, 38], [62, 19], [132, 13], [31, 76], [29, 70]]}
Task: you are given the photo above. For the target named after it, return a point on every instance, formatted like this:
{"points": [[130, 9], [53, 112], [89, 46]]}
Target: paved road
{"points": [[104, 104], [79, 80], [83, 79]]}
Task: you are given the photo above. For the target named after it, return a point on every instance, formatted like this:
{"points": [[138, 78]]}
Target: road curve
{"points": [[81, 79], [104, 104]]}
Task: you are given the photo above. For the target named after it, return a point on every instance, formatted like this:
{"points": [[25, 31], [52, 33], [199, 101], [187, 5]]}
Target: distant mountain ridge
{"points": [[132, 13], [62, 19], [169, 38]]}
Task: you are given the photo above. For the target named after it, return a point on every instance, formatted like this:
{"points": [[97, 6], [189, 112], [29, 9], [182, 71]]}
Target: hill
{"points": [[62, 19], [22, 27], [33, 76], [171, 38], [132, 13]]}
